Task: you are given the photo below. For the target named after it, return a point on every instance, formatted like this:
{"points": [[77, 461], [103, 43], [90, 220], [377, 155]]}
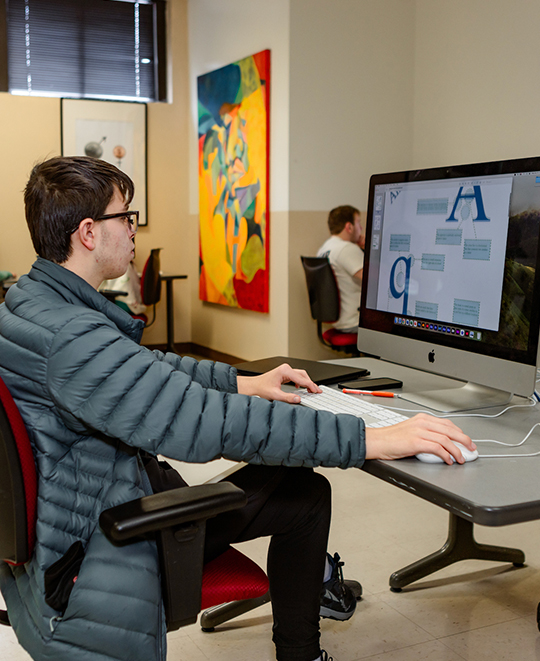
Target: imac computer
{"points": [[450, 281]]}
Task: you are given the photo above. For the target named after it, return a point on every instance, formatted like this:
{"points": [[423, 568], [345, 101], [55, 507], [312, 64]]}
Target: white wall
{"points": [[351, 97], [351, 114], [477, 96]]}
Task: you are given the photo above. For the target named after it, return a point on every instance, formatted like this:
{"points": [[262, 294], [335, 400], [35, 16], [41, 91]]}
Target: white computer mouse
{"points": [[428, 458]]}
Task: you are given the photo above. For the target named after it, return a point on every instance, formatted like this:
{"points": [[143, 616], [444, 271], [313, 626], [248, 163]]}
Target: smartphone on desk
{"points": [[372, 383]]}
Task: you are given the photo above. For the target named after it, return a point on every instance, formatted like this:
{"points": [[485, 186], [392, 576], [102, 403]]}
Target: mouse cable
{"points": [[532, 402], [490, 440], [510, 445], [508, 456]]}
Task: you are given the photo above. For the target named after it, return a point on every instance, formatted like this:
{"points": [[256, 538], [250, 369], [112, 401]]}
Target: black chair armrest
{"points": [[178, 519], [169, 508]]}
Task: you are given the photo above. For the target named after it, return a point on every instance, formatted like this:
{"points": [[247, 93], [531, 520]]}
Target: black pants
{"points": [[293, 506]]}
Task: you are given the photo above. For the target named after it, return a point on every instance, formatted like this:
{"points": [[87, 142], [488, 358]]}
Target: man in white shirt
{"points": [[345, 252]]}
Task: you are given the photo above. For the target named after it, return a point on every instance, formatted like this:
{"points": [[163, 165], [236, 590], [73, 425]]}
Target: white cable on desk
{"points": [[510, 445], [532, 402], [507, 456]]}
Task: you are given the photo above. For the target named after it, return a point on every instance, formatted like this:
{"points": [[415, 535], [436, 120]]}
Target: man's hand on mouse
{"points": [[422, 433]]}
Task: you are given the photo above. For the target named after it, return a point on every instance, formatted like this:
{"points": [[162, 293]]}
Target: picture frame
{"points": [[115, 131]]}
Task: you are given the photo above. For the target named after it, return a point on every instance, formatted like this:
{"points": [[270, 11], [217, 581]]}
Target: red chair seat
{"points": [[337, 339], [230, 577]]}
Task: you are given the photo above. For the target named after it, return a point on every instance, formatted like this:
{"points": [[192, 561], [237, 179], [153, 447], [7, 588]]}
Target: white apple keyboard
{"points": [[336, 401]]}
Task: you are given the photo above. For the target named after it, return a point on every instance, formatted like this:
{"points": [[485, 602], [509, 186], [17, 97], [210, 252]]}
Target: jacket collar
{"points": [[75, 290]]}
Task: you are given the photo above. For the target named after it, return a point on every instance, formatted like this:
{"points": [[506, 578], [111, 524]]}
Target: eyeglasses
{"points": [[131, 217]]}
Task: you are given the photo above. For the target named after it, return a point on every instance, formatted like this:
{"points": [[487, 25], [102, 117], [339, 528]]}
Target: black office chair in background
{"points": [[151, 280], [324, 303], [150, 287], [151, 283], [151, 292]]}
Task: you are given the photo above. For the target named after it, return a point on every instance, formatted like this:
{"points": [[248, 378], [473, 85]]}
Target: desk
{"points": [[490, 492], [170, 308]]}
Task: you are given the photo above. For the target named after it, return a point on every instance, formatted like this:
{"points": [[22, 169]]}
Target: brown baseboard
{"points": [[198, 350]]}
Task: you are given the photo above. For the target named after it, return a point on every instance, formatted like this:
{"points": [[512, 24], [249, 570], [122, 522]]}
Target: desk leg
{"points": [[170, 316], [460, 545]]}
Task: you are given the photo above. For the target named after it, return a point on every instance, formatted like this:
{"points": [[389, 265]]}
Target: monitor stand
{"points": [[450, 400]]}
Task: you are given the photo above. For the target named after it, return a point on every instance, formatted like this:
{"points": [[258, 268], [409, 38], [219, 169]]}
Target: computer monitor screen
{"points": [[449, 280]]}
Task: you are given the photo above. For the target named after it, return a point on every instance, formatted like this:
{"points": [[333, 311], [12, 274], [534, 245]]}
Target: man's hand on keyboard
{"points": [[268, 385], [423, 433]]}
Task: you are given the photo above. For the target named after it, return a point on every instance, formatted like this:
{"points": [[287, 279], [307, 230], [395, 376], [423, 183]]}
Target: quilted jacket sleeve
{"points": [[205, 372], [103, 382]]}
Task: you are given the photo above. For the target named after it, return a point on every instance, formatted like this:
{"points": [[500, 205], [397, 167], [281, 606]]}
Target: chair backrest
{"points": [[322, 289], [18, 484], [151, 279]]}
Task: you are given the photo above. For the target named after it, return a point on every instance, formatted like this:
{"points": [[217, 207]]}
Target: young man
{"points": [[98, 408], [345, 252]]}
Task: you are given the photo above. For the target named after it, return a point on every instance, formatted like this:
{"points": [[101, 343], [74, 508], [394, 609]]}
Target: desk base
{"points": [[170, 309], [460, 545]]}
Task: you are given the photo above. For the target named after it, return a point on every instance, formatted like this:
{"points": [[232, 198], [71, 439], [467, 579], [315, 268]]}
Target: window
{"points": [[93, 49]]}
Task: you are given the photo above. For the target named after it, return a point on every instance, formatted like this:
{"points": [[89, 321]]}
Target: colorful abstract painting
{"points": [[233, 183]]}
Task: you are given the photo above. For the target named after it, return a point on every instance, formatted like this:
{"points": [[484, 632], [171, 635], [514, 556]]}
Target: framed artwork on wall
{"points": [[233, 150], [114, 131]]}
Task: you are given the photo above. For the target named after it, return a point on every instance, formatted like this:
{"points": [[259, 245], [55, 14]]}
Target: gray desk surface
{"points": [[491, 492]]}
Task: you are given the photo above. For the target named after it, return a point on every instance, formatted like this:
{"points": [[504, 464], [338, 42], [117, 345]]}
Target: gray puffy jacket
{"points": [[90, 397]]}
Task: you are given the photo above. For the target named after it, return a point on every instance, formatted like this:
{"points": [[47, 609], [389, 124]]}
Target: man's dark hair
{"points": [[339, 217], [64, 190]]}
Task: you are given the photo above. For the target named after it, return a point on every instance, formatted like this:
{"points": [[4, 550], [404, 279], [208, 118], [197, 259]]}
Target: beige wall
{"points": [[476, 94], [31, 133], [307, 232], [168, 210]]}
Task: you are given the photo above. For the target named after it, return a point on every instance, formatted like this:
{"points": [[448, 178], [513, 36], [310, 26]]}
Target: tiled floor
{"points": [[478, 611]]}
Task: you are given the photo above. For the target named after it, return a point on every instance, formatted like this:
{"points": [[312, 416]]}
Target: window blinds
{"points": [[105, 49]]}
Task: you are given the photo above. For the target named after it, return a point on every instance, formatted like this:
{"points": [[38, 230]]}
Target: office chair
{"points": [[177, 518], [151, 294], [150, 288], [324, 303], [151, 282]]}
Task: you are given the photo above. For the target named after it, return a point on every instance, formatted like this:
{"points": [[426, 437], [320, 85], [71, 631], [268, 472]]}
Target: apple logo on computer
{"points": [[431, 356]]}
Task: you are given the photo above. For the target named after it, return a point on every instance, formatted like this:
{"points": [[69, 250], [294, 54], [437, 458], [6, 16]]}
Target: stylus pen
{"points": [[375, 393]]}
